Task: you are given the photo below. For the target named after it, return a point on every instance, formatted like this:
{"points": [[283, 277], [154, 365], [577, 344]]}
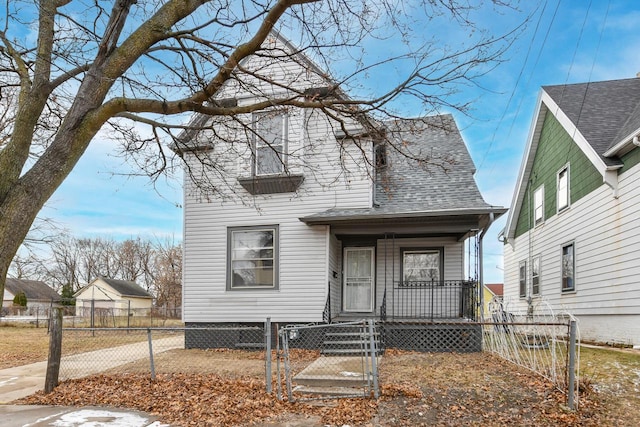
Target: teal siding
{"points": [[630, 159], [555, 149]]}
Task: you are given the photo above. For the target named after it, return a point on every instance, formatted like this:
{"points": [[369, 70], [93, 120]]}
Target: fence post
{"points": [[572, 364], [152, 365], [374, 361], [93, 312], [267, 358], [55, 351]]}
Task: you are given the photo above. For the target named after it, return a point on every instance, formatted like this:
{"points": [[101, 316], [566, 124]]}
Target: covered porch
{"points": [[418, 267]]}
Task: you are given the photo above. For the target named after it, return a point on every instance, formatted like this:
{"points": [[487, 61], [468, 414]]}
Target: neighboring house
{"points": [[39, 295], [572, 236], [120, 297], [332, 226], [492, 297]]}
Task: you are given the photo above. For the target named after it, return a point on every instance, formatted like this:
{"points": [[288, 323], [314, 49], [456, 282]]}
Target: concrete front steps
{"points": [[349, 340], [335, 376]]}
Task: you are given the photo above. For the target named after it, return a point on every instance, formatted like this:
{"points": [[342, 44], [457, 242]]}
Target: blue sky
{"points": [[567, 41]]}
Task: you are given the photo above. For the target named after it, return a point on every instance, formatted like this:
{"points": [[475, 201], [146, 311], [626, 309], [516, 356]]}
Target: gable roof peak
{"points": [[606, 112]]}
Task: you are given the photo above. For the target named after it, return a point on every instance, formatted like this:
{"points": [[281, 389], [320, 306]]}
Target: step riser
{"points": [[332, 382], [330, 391]]}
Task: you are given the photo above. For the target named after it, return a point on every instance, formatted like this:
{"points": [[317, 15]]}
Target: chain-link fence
{"points": [[328, 361], [151, 351], [93, 314], [320, 361]]}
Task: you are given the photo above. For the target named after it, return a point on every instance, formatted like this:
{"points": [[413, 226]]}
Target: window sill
{"points": [[568, 292], [271, 184]]}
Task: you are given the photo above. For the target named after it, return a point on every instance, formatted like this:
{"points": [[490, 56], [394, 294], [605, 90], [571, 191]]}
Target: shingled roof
{"points": [[33, 289], [604, 112], [409, 188], [126, 288]]}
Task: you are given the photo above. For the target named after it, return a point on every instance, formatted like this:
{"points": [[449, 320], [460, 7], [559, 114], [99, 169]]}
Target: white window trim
{"points": [[568, 189], [522, 264], [562, 289], [539, 190], [533, 262]]}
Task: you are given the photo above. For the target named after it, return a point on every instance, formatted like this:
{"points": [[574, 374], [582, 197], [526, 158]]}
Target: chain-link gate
{"points": [[328, 361]]}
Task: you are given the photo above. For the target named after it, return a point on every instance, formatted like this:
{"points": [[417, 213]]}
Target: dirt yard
{"points": [[226, 388]]}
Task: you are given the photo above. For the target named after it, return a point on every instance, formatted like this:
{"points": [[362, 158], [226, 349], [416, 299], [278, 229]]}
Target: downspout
{"points": [[481, 272]]}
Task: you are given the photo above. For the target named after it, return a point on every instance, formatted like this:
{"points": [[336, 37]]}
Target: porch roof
{"points": [[459, 218]]}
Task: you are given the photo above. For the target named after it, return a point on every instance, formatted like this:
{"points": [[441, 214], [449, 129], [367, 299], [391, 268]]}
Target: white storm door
{"points": [[358, 280]]}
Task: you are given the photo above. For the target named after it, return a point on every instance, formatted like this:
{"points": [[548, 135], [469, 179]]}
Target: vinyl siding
{"points": [[555, 150], [606, 232], [303, 275], [388, 261]]}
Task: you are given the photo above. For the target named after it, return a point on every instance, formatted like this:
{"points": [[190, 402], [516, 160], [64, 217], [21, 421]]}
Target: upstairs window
{"points": [[563, 188], [270, 142], [380, 156], [538, 206]]}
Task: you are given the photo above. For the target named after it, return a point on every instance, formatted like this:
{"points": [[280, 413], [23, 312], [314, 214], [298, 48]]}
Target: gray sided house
{"points": [[328, 227], [572, 239], [40, 296]]}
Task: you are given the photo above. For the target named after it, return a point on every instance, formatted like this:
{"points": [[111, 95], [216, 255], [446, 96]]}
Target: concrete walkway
{"points": [[22, 381], [65, 416]]}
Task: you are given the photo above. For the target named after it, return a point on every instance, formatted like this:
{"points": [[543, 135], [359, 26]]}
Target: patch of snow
{"points": [[102, 418]]}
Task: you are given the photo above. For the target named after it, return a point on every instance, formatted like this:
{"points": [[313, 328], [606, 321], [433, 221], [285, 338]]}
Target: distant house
{"points": [[122, 297], [492, 294], [572, 238], [39, 295]]}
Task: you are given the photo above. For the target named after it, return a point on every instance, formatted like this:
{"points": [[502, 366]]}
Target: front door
{"points": [[358, 280]]}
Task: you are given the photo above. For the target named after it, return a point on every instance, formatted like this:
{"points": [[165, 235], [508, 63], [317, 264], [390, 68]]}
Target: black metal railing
{"points": [[383, 306], [432, 300], [326, 313]]}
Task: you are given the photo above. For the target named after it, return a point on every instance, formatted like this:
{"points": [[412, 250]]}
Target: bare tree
{"points": [[74, 67], [168, 274]]}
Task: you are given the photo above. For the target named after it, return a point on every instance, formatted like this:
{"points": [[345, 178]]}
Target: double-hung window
{"points": [[535, 275], [538, 206], [563, 188], [421, 267], [522, 278], [270, 142], [568, 268], [252, 254]]}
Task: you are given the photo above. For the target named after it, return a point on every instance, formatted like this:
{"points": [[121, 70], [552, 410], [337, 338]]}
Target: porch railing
{"points": [[431, 300]]}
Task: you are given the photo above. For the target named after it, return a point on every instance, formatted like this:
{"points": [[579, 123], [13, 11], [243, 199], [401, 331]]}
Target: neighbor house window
{"points": [[252, 257], [563, 188], [270, 142], [535, 275], [568, 268], [421, 267], [538, 206], [522, 279]]}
